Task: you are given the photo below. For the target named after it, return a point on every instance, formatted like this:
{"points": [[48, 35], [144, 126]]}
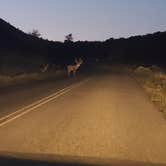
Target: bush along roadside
{"points": [[6, 81], [153, 80]]}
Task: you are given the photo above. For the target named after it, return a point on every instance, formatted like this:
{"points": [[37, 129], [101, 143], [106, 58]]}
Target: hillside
{"points": [[20, 52], [146, 49]]}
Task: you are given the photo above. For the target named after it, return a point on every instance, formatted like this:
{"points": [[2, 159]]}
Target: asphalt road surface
{"points": [[97, 118]]}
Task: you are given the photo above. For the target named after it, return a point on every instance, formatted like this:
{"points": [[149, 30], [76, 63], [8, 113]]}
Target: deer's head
{"points": [[44, 68], [78, 61]]}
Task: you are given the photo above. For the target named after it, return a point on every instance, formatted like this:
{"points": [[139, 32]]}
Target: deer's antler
{"points": [[80, 60], [76, 60]]}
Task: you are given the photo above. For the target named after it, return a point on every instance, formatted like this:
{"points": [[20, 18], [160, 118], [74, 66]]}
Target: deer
{"points": [[74, 68], [44, 68]]}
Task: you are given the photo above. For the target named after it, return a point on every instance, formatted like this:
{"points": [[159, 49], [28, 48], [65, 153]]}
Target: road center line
{"points": [[37, 104]]}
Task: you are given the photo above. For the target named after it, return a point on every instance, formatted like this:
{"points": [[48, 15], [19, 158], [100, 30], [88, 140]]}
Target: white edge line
{"points": [[34, 103], [39, 103]]}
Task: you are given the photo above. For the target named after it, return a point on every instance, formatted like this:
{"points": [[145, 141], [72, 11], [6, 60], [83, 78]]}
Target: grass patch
{"points": [[8, 80], [153, 80]]}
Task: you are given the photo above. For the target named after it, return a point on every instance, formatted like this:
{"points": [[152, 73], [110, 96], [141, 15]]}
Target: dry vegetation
{"points": [[153, 80], [8, 80]]}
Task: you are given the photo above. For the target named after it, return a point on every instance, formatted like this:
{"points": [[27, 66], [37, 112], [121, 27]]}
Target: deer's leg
{"points": [[68, 73], [74, 73]]}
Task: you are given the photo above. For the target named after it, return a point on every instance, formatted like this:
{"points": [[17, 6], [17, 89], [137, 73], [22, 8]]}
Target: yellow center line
{"points": [[37, 104]]}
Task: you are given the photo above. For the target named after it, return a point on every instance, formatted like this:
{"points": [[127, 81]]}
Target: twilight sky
{"points": [[86, 19]]}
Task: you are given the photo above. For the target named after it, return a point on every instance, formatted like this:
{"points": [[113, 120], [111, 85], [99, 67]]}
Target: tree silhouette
{"points": [[21, 50], [35, 33], [69, 38]]}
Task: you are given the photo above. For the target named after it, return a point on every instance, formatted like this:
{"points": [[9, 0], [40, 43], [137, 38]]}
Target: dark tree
{"points": [[69, 38], [26, 52], [35, 33]]}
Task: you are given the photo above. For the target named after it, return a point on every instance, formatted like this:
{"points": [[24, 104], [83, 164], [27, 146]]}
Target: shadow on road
{"points": [[16, 159]]}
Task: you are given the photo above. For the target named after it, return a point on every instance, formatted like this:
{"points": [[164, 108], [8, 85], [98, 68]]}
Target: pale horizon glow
{"points": [[86, 19]]}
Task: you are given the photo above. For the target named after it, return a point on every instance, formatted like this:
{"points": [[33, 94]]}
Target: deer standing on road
{"points": [[74, 68]]}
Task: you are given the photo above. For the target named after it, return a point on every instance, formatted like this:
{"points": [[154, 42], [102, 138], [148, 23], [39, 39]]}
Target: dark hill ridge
{"points": [[11, 35], [28, 52], [23, 52]]}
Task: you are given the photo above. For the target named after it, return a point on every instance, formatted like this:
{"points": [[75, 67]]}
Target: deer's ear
{"points": [[80, 60], [76, 61]]}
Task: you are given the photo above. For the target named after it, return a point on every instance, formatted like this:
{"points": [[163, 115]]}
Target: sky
{"points": [[86, 19]]}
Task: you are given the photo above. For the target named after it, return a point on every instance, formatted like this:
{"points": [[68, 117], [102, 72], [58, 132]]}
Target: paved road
{"points": [[106, 117], [16, 97]]}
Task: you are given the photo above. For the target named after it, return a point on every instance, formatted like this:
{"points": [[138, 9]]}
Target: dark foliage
{"points": [[69, 38], [27, 52], [35, 33]]}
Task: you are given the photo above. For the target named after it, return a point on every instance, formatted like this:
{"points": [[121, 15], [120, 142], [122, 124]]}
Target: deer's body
{"points": [[74, 68]]}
